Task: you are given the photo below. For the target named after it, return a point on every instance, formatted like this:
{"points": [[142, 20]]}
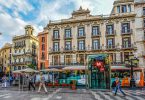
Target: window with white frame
{"points": [[67, 33], [124, 9], [81, 31], [95, 30], [56, 46], [68, 45], [81, 45], [95, 44], [56, 34]]}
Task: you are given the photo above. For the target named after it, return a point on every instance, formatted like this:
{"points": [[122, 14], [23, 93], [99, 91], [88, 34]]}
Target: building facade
{"points": [[24, 51], [119, 34], [5, 57], [43, 50]]}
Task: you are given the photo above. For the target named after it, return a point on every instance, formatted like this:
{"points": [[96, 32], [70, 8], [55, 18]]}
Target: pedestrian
{"points": [[113, 86], [11, 80], [31, 81], [118, 86], [42, 83], [4, 81]]}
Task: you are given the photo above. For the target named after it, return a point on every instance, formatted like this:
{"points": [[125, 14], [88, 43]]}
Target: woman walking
{"points": [[42, 83], [118, 86]]}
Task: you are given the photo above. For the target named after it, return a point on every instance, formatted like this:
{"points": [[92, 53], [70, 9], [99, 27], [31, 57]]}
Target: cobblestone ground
{"points": [[68, 94]]}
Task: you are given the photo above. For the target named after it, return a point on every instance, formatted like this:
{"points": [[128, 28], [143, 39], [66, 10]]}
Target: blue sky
{"points": [[15, 14]]}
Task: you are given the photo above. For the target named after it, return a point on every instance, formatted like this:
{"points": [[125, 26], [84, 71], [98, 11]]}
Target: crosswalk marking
{"points": [[106, 96], [7, 97], [2, 95], [96, 95], [109, 96], [139, 98]]}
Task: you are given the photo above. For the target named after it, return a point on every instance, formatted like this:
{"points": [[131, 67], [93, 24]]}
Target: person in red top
{"points": [[118, 86]]}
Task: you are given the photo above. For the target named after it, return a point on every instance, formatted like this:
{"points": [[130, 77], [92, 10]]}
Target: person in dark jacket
{"points": [[31, 82]]}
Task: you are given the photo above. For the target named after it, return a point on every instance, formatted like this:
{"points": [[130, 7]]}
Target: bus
{"points": [[124, 73]]}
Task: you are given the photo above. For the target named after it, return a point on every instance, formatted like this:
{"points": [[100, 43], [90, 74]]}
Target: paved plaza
{"points": [[68, 94]]}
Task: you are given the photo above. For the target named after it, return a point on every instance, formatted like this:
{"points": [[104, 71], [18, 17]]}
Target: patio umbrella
{"points": [[17, 71], [51, 70], [29, 70]]}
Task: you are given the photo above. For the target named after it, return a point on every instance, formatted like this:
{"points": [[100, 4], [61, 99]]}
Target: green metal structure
{"points": [[98, 79]]}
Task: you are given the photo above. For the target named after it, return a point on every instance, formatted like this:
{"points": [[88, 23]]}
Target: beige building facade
{"points": [[5, 57], [25, 48], [119, 34]]}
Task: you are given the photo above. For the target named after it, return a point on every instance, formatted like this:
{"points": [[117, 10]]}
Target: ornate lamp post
{"points": [[132, 62]]}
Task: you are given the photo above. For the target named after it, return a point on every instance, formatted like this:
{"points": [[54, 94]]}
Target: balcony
{"points": [[19, 46], [81, 36], [65, 63], [110, 47], [68, 37], [18, 54], [96, 48], [129, 46], [126, 32], [18, 63], [113, 33], [67, 49], [55, 38], [81, 49], [54, 50], [96, 35]]}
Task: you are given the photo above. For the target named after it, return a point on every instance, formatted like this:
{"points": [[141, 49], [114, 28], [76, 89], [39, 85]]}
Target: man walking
{"points": [[42, 83], [118, 86], [31, 81]]}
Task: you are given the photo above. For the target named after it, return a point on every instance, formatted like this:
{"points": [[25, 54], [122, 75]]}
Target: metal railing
{"points": [[127, 46], [127, 31], [112, 33]]}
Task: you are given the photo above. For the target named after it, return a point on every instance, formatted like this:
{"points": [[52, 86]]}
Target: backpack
{"points": [[113, 84]]}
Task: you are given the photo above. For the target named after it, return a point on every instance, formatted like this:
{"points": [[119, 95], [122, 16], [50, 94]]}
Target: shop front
{"points": [[99, 71], [66, 76]]}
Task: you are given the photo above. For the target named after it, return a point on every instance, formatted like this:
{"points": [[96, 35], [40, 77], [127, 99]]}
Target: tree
{"points": [[31, 66]]}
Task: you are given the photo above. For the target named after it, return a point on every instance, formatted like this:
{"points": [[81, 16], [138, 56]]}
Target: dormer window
{"points": [[129, 8], [118, 9], [124, 9]]}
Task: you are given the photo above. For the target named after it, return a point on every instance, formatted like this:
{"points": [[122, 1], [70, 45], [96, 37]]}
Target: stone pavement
{"points": [[138, 94], [53, 94], [68, 94]]}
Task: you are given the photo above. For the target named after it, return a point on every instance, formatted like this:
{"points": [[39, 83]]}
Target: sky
{"points": [[16, 14]]}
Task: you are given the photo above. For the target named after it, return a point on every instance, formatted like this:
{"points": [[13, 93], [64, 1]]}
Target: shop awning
{"points": [[125, 68], [75, 68], [27, 70], [119, 68], [56, 67]]}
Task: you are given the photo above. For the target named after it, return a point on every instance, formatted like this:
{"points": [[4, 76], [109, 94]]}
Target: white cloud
{"points": [[14, 25], [50, 11], [17, 5], [96, 6], [11, 26]]}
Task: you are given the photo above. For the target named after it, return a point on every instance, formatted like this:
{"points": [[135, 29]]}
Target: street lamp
{"points": [[131, 61]]}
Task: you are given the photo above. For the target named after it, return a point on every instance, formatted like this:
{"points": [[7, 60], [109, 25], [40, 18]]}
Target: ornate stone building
{"points": [[5, 57], [119, 34], [24, 51]]}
